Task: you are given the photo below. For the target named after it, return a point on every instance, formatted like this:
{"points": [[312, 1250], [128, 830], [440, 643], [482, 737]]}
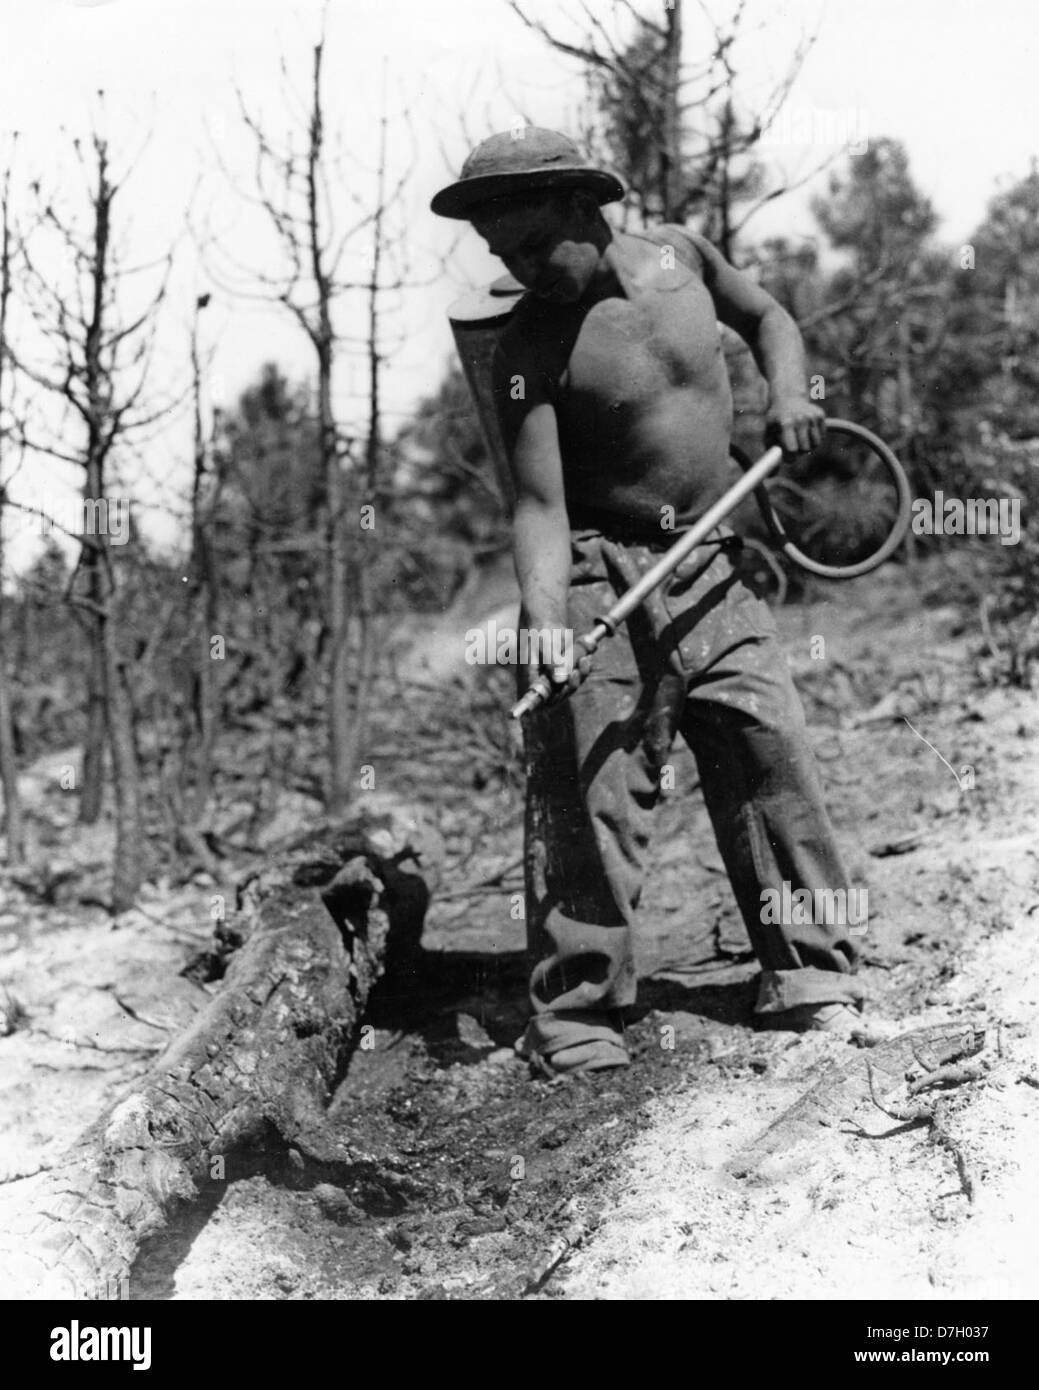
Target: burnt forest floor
{"points": [[466, 1178]]}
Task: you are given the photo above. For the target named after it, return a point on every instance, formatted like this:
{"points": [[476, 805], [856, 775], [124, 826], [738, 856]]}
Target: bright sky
{"points": [[954, 79]]}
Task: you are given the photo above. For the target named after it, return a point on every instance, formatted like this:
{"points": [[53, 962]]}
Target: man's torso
{"points": [[639, 385]]}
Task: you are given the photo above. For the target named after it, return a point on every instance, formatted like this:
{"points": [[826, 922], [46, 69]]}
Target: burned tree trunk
{"points": [[260, 1062], [196, 773], [14, 828], [99, 364], [92, 790], [296, 182], [13, 825], [128, 866]]}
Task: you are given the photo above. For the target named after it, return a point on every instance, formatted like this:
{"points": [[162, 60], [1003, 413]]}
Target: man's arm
{"points": [[774, 339], [540, 525]]}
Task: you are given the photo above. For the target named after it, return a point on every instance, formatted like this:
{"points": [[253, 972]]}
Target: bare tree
{"points": [[676, 131], [13, 824], [97, 370], [306, 191], [373, 434], [202, 571], [188, 784]]}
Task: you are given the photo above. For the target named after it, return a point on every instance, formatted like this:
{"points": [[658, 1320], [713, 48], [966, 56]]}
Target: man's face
{"points": [[545, 243]]}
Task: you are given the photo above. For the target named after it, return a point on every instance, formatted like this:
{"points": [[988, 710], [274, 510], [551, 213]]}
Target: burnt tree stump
{"points": [[311, 935]]}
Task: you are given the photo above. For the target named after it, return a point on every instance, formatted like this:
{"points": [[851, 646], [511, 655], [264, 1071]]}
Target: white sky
{"points": [[954, 79]]}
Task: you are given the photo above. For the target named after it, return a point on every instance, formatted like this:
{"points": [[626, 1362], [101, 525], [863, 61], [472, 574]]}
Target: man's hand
{"points": [[566, 676], [795, 423]]}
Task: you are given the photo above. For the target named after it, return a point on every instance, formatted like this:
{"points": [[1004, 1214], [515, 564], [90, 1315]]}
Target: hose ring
{"points": [[892, 541]]}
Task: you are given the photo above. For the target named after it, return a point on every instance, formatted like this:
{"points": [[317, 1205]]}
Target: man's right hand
{"points": [[567, 675]]}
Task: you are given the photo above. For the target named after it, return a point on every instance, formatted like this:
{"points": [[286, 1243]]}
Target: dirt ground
{"points": [[468, 1180]]}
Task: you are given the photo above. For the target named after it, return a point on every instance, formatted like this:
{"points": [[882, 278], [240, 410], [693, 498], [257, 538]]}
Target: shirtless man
{"points": [[616, 410]]}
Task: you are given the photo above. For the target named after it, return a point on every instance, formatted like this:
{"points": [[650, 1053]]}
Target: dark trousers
{"points": [[700, 658]]}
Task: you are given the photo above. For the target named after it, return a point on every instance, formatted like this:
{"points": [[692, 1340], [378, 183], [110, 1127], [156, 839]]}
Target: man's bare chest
{"points": [[663, 337]]}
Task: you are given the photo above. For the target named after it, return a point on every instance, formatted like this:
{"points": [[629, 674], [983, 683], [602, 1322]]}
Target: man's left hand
{"points": [[795, 423]]}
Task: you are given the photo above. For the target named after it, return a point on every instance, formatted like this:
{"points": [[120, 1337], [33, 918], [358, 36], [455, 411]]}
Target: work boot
{"points": [[592, 1043]]}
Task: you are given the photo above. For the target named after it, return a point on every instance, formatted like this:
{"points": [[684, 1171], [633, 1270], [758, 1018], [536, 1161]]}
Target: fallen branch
{"points": [[496, 880], [87, 1045], [565, 1244], [927, 1113], [20, 1177], [133, 1013]]}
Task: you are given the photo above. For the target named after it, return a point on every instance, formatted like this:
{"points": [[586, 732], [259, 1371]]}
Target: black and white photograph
{"points": [[519, 655]]}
